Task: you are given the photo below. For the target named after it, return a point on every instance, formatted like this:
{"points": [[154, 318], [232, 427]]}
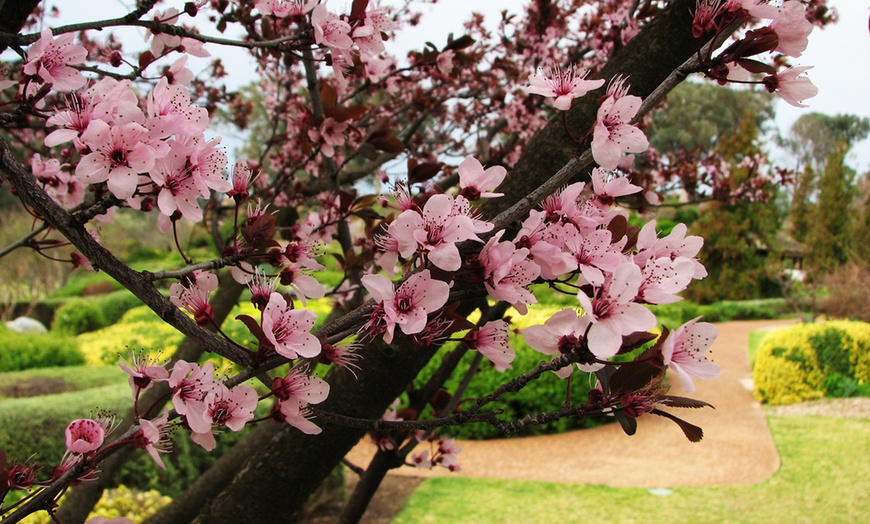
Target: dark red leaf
{"points": [[358, 9], [460, 43], [632, 377], [684, 402], [423, 172], [629, 424], [253, 327], [618, 228], [754, 66], [259, 233], [692, 432], [328, 95]]}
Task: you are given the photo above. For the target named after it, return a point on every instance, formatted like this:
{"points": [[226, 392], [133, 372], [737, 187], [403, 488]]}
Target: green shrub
{"points": [[79, 316], [36, 424], [545, 394], [46, 381], [104, 346], [114, 305], [810, 361], [119, 502], [36, 350]]}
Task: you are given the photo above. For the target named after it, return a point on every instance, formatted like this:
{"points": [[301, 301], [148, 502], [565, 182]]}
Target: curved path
{"points": [[737, 447]]}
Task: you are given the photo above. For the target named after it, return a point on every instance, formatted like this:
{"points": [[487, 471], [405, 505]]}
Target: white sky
{"points": [[840, 54]]}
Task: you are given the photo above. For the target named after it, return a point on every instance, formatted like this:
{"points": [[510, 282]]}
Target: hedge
{"points": [[812, 361], [20, 351]]}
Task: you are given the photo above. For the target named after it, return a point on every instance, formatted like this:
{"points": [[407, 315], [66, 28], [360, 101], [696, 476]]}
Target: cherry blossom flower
{"points": [[288, 329], [304, 286], [684, 350], [144, 371], [261, 288], [170, 111], [192, 297], [562, 333], [663, 278], [613, 135], [118, 155], [295, 392], [222, 406], [421, 460], [329, 30], [676, 244], [282, 8], [477, 183], [84, 436], [153, 437], [330, 133], [507, 271], [190, 384], [491, 340], [20, 476], [545, 242], [341, 356], [608, 188], [444, 62], [242, 175], [437, 230], [50, 61], [792, 28], [367, 35], [565, 85], [613, 311], [791, 85], [407, 307], [594, 253]]}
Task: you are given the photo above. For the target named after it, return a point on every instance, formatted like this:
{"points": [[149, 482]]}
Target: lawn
{"points": [[825, 477]]}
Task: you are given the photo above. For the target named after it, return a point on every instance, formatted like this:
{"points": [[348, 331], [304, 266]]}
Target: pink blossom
{"points": [[684, 350], [560, 334], [613, 311], [792, 86], [491, 340], [507, 272], [477, 183], [153, 437], [207, 163], [368, 35], [295, 392], [608, 188], [304, 286], [437, 231], [118, 155], [564, 85], [170, 112], [329, 30], [84, 436], [178, 189], [232, 408], [409, 306], [178, 73], [192, 298], [663, 278], [594, 253], [613, 134], [563, 206], [190, 384], [144, 371], [421, 460], [330, 133], [444, 62], [242, 175], [792, 28], [288, 329], [297, 415], [676, 244], [282, 8], [49, 61], [545, 242], [261, 288]]}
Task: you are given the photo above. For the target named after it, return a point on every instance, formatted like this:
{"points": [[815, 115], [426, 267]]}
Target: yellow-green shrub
{"points": [[119, 502], [803, 362]]}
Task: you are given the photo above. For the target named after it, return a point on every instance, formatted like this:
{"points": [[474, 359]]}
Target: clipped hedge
{"points": [[811, 361], [545, 394], [19, 351], [79, 316], [139, 329]]}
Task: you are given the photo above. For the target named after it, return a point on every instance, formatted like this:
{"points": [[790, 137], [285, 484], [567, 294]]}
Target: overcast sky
{"points": [[840, 55]]}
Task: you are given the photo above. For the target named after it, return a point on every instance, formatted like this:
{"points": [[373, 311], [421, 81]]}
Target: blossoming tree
{"points": [[546, 116]]}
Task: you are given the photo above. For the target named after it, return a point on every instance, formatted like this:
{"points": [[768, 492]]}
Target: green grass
{"points": [[825, 477], [74, 378]]}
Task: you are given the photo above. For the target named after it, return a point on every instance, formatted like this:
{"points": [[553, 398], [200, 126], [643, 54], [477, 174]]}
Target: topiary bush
{"points": [[811, 361], [19, 351], [138, 329], [79, 316], [547, 393]]}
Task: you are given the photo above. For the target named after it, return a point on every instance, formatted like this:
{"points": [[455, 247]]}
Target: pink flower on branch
{"points": [[407, 307], [477, 183], [491, 340], [86, 435], [507, 272], [684, 350], [50, 61], [560, 334], [562, 84], [288, 329], [791, 85], [118, 155], [232, 408], [613, 311], [153, 437], [613, 134], [437, 231]]}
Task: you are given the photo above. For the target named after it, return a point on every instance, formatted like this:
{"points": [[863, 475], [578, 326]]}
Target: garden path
{"points": [[737, 447]]}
